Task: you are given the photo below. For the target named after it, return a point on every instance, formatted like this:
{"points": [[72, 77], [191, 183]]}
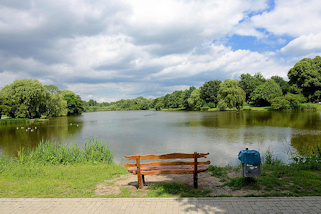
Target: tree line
{"points": [[304, 85], [30, 99]]}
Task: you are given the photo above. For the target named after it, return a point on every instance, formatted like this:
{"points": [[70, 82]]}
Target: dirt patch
{"points": [[205, 182], [107, 189]]}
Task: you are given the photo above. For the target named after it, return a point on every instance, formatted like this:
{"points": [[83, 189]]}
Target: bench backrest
{"points": [[195, 156]]}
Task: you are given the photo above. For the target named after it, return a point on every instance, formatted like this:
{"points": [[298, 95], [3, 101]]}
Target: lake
{"points": [[222, 134]]}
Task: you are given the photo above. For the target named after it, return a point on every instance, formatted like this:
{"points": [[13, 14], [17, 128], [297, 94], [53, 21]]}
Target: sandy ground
{"points": [[205, 182]]}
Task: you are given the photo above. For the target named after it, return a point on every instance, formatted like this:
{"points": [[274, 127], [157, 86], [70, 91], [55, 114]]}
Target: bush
{"points": [[280, 103]]}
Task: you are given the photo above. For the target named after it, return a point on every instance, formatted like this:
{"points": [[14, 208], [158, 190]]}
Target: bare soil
{"points": [[205, 182]]}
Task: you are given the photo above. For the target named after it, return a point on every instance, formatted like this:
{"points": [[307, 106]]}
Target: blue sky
{"points": [[122, 49]]}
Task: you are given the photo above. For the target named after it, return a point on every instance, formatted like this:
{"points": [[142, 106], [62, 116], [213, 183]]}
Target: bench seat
{"points": [[155, 170]]}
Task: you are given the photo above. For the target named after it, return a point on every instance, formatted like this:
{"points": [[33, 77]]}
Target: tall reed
{"points": [[51, 153]]}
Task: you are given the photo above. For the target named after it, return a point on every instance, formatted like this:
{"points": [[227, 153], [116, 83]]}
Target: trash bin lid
{"points": [[250, 157]]}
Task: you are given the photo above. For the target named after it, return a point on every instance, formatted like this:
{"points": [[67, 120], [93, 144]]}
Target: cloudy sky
{"points": [[109, 50]]}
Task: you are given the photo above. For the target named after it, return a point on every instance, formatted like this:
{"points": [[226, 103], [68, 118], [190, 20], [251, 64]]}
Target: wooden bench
{"points": [[172, 167]]}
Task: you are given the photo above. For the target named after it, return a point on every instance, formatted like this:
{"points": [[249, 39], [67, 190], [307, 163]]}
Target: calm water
{"points": [[222, 134]]}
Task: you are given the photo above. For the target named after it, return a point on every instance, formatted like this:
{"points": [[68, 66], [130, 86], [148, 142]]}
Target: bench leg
{"points": [[140, 181], [143, 178], [195, 180]]}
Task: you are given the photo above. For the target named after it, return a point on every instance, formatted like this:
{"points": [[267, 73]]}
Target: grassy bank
{"points": [[14, 121], [54, 170], [300, 178]]}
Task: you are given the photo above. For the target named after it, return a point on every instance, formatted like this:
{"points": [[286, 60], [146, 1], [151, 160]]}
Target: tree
{"points": [[230, 95], [264, 94], [209, 91], [185, 96], [257, 80], [195, 101], [4, 106], [305, 77], [284, 85], [28, 98], [75, 106], [244, 83], [295, 100], [56, 105], [92, 102], [175, 99]]}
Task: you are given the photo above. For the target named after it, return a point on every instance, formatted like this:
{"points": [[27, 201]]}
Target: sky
{"points": [[122, 49]]}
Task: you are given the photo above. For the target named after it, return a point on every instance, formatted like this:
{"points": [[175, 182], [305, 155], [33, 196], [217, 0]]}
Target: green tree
{"points": [[195, 101], [75, 106], [257, 80], [185, 96], [92, 102], [305, 77], [295, 100], [4, 106], [230, 95], [28, 98], [56, 105], [284, 85], [175, 99], [264, 94], [244, 83], [280, 103], [209, 91]]}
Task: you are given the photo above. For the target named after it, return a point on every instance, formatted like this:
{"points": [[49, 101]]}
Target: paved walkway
{"points": [[161, 205]]}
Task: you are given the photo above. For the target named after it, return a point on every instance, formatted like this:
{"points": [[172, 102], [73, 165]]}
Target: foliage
{"points": [[265, 93], [75, 106], [56, 105], [284, 85], [209, 91], [195, 101], [230, 95], [295, 100], [28, 98], [4, 106], [280, 103], [305, 77]]}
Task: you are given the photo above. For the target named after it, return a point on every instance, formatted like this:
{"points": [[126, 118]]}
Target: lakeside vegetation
{"points": [[250, 92], [55, 170]]}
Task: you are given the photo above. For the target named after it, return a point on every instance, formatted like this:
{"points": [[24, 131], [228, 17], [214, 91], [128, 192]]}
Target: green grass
{"points": [[300, 178], [47, 152], [175, 189], [54, 170], [14, 121], [56, 181]]}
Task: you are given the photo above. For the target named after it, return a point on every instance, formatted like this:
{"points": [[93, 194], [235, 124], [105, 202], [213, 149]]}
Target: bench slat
{"points": [[167, 163], [154, 170], [167, 156]]}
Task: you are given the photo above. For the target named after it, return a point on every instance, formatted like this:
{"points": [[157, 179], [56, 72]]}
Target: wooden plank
{"points": [[167, 156], [167, 163], [153, 170]]}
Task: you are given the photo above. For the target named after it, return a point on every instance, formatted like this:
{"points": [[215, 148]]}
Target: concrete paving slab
{"points": [[160, 205]]}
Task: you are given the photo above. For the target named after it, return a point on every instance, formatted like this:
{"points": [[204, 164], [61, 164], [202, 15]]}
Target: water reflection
{"points": [[223, 134]]}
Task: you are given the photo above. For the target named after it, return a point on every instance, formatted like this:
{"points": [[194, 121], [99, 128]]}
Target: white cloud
{"points": [[293, 18], [303, 45]]}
